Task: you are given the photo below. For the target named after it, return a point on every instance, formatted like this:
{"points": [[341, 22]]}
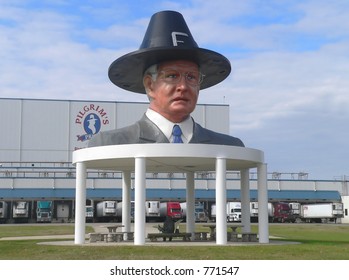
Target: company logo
{"points": [[92, 117]]}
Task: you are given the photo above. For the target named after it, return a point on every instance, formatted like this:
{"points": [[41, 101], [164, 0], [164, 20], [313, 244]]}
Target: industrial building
{"points": [[39, 137]]}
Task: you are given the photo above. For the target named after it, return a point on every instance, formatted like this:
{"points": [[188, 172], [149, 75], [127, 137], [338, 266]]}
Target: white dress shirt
{"points": [[166, 126]]}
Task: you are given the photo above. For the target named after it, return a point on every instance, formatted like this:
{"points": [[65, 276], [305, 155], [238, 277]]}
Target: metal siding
{"points": [[10, 116], [129, 113], [218, 118], [44, 133], [50, 130]]}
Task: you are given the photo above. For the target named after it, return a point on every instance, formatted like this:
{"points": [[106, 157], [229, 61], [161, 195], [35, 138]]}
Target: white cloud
{"points": [[288, 90]]}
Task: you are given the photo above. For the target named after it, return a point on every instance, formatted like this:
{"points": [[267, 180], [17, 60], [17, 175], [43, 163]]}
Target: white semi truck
{"points": [[234, 212], [20, 211]]}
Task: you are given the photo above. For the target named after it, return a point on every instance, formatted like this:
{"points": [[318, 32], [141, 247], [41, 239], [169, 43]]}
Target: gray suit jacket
{"points": [[145, 131]]}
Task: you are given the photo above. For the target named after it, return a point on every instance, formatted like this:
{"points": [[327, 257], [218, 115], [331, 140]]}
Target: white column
{"points": [[126, 202], [139, 223], [221, 202], [263, 203], [80, 203], [190, 199], [245, 200]]}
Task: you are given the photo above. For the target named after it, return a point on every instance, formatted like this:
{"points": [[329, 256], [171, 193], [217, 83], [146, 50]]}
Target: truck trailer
{"points": [[322, 212], [106, 211], [152, 210]]}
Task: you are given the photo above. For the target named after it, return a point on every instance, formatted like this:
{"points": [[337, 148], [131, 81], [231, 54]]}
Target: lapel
{"points": [[149, 132], [199, 135]]}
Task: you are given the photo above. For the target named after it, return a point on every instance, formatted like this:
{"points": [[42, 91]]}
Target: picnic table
{"points": [[231, 236], [212, 231], [113, 228], [235, 227]]}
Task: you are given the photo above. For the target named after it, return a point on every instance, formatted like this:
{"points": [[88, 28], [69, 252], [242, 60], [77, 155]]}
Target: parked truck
{"points": [[254, 211], [3, 211], [277, 212], [89, 213], [63, 211], [199, 211], [295, 209], [234, 212], [44, 211], [280, 212], [106, 211], [20, 211], [322, 212], [171, 209], [152, 210]]}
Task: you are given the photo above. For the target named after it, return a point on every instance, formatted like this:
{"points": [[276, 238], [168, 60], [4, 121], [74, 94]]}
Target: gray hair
{"points": [[153, 72]]}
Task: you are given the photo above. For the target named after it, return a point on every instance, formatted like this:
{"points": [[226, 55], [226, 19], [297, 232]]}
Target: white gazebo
{"points": [[184, 158]]}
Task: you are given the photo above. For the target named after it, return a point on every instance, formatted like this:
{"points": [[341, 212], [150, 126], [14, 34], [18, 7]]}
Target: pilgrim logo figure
{"points": [[92, 124]]}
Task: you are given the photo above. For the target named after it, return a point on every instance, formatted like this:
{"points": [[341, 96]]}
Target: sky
{"points": [[288, 91]]}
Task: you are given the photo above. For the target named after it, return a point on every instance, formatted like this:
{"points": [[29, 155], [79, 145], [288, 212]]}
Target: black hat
{"points": [[167, 38]]}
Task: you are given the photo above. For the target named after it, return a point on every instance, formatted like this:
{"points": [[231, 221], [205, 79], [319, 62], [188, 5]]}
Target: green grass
{"points": [[317, 242]]}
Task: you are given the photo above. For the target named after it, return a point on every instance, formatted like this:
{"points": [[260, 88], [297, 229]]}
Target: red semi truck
{"points": [[171, 209]]}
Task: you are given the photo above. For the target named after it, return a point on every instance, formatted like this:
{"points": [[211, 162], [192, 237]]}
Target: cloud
{"points": [[288, 90]]}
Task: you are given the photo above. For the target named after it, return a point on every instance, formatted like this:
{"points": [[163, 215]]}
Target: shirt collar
{"points": [[166, 126]]}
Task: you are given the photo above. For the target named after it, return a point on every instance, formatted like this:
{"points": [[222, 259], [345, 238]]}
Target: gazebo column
{"points": [[245, 200], [80, 203], [221, 202], [263, 203], [139, 223], [126, 202], [190, 200]]}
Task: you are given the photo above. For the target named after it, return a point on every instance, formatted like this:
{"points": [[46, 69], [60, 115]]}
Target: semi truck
{"points": [[280, 212], [254, 211], [277, 212], [171, 209], [199, 211], [44, 211], [106, 211], [322, 212], [3, 211], [20, 211], [89, 213], [295, 208], [234, 212]]}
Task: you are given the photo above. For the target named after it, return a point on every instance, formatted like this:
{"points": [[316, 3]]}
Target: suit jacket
{"points": [[145, 131]]}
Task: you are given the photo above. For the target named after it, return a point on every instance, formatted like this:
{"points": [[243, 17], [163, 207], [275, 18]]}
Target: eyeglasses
{"points": [[172, 76]]}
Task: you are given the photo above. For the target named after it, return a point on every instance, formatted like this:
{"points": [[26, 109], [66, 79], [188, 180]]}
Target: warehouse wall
{"points": [[50, 130]]}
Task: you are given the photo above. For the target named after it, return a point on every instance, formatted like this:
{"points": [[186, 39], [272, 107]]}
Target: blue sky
{"points": [[288, 90]]}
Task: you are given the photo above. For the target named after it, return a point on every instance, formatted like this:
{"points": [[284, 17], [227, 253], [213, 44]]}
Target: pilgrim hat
{"points": [[167, 38]]}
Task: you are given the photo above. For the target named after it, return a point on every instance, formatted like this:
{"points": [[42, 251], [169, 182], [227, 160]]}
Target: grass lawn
{"points": [[318, 242]]}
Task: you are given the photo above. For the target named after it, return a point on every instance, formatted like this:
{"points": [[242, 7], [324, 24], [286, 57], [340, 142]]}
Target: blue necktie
{"points": [[177, 132]]}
